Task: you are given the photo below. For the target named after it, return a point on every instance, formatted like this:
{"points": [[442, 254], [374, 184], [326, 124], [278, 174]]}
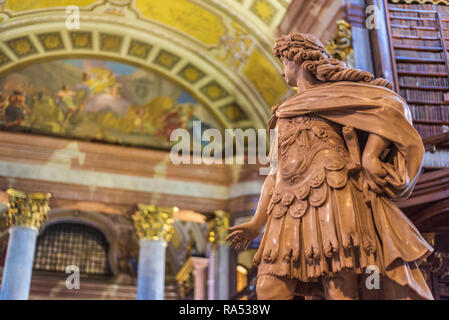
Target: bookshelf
{"points": [[419, 39]]}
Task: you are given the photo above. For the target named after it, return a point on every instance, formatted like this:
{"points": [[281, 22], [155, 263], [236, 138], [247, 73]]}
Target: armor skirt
{"points": [[318, 232]]}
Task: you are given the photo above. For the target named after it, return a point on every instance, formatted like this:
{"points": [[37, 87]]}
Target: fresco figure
{"points": [[4, 102], [346, 149], [14, 112], [64, 98]]}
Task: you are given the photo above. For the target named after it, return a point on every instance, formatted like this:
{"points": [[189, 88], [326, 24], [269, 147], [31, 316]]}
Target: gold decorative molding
{"points": [[234, 112], [110, 42], [81, 39], [139, 49], [191, 73], [218, 227], [154, 223], [3, 58], [264, 10], [51, 41], [21, 46], [185, 279], [166, 59], [341, 46], [214, 91], [120, 2], [285, 3], [27, 209], [440, 2]]}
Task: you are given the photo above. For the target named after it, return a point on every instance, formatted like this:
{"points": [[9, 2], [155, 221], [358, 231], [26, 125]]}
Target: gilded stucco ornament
{"points": [[27, 209], [340, 47], [120, 2], [185, 279], [218, 227], [154, 223]]}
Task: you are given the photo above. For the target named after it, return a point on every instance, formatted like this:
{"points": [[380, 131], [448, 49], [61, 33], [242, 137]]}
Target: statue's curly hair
{"points": [[308, 50]]}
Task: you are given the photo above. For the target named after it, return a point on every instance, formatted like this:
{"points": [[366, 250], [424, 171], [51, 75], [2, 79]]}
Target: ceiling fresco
{"points": [[216, 52], [98, 100]]}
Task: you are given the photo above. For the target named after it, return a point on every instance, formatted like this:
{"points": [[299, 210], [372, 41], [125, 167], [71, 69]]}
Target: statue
{"points": [[346, 148]]}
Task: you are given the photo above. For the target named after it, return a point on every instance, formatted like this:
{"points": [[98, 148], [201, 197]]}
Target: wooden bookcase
{"points": [[419, 40]]}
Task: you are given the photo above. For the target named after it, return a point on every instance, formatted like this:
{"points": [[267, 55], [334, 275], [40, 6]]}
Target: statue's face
{"points": [[290, 73]]}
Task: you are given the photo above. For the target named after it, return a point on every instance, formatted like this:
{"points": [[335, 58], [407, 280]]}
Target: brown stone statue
{"points": [[346, 149]]}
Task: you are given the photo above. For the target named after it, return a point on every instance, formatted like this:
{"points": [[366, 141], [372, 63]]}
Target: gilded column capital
{"points": [[341, 46], [27, 209], [218, 227], [154, 223]]}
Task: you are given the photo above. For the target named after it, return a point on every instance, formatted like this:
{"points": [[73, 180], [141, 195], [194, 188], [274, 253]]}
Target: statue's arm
{"points": [[371, 162], [241, 235], [260, 217], [375, 146]]}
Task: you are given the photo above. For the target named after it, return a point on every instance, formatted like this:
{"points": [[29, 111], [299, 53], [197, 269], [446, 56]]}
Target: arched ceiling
{"points": [[220, 51]]}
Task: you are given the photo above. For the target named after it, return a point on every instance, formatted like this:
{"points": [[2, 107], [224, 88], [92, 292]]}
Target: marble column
{"points": [[27, 212], [362, 49], [222, 272], [154, 228], [211, 253], [360, 37], [383, 40], [218, 230], [200, 275]]}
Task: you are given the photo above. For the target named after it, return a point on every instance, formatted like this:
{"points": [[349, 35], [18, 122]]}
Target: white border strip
{"points": [[64, 174]]}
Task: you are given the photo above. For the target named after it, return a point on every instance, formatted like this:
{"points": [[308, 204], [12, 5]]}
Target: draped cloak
{"points": [[378, 110]]}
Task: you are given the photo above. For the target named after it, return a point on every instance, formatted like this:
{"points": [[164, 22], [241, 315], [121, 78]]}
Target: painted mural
{"points": [[98, 100]]}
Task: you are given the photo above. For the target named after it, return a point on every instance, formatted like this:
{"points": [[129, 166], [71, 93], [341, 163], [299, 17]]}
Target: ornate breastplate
{"points": [[312, 157]]}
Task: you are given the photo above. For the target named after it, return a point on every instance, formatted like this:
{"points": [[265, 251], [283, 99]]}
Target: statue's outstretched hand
{"points": [[242, 235]]}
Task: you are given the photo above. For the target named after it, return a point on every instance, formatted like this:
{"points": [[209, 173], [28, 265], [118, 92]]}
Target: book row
{"points": [[417, 42], [413, 32], [412, 14], [414, 23], [429, 130], [428, 67], [411, 6], [429, 112], [421, 95], [438, 159], [424, 81], [419, 54], [443, 9]]}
